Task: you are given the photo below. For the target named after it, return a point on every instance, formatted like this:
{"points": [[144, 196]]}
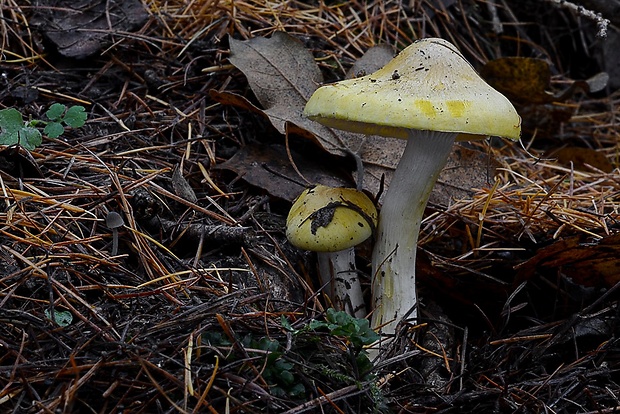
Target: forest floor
{"points": [[195, 302]]}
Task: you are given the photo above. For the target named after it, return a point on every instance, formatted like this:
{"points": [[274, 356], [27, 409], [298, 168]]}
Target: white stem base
{"points": [[339, 275], [393, 281]]}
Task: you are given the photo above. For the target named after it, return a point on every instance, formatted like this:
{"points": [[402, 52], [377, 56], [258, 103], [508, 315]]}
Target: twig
{"points": [[323, 399], [601, 22], [496, 23], [463, 358], [219, 233]]}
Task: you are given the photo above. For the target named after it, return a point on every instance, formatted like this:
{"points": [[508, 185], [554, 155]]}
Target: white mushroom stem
{"points": [[338, 273], [393, 260]]}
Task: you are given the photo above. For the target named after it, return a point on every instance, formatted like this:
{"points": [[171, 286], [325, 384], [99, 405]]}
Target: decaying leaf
{"points": [[374, 59], [233, 99], [280, 71], [527, 80], [283, 75], [268, 167], [544, 120], [580, 157], [84, 27], [524, 80], [181, 187], [585, 263], [466, 170]]}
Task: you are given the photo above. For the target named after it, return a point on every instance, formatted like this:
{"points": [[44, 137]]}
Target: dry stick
{"points": [[463, 358], [498, 28], [600, 21], [218, 233], [349, 391], [607, 8]]}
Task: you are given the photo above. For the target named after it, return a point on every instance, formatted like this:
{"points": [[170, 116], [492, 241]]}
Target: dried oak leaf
{"points": [[524, 80], [80, 28], [374, 59], [581, 157], [283, 75], [527, 82], [586, 263], [181, 187], [268, 167]]}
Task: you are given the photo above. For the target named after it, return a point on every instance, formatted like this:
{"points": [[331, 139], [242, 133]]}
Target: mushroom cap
{"points": [[428, 86], [113, 220], [328, 219]]}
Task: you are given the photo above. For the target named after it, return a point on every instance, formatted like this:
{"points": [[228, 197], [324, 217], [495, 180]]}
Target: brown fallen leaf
{"points": [[585, 263], [268, 167], [82, 28], [283, 75], [181, 187], [544, 120], [374, 59], [280, 71], [528, 80], [466, 170], [525, 80], [579, 157], [290, 129]]}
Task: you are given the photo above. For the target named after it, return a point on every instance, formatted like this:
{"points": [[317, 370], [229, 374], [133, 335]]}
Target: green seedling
{"points": [[356, 331], [277, 371], [357, 368], [339, 323], [58, 114], [13, 129], [62, 318]]}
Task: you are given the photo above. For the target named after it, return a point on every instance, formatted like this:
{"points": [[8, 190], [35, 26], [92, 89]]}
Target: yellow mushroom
{"points": [[331, 221]]}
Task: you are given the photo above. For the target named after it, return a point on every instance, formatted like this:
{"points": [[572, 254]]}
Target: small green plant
{"points": [[278, 372], [357, 368], [62, 318], [356, 330], [13, 129]]}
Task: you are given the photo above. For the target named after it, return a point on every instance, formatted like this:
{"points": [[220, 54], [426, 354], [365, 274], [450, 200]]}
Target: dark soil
{"points": [[206, 307]]}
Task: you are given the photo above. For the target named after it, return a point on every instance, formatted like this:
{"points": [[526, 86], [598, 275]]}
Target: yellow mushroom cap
{"points": [[327, 219], [428, 86]]}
